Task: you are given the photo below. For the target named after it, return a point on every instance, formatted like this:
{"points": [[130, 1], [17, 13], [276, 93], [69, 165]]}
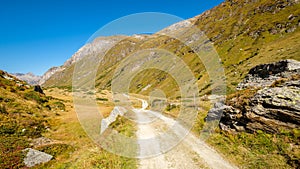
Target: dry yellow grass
{"points": [[69, 131]]}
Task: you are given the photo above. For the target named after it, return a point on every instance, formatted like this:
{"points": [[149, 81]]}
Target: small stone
{"points": [[35, 157]]}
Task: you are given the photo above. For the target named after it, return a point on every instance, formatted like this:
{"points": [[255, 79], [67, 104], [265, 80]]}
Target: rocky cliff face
{"points": [[270, 103], [30, 78], [49, 73]]}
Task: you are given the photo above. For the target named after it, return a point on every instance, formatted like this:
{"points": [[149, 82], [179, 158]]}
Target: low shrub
{"points": [[102, 99], [57, 149], [3, 109], [35, 96], [59, 105]]}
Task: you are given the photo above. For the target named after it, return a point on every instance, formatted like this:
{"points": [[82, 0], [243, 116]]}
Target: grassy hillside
{"points": [[86, 153], [244, 34], [248, 33], [28, 117], [24, 115]]}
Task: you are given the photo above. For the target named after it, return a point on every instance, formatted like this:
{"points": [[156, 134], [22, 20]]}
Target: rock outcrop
{"points": [[14, 80], [265, 74], [38, 89], [271, 102], [49, 73]]}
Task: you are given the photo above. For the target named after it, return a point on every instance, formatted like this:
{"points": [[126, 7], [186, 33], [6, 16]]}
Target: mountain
{"points": [[61, 74], [245, 33], [49, 73], [30, 78]]}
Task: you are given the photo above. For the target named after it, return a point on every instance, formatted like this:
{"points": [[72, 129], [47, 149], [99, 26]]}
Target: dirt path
{"points": [[190, 153]]}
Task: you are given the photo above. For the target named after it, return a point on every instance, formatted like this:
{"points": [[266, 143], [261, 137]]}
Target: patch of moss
{"points": [[123, 126], [58, 150], [32, 95]]}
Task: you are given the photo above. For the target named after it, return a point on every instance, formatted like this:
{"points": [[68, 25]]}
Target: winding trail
{"points": [[191, 153]]}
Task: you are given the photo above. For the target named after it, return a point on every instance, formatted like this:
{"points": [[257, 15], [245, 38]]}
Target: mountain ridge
{"points": [[244, 33], [29, 77]]}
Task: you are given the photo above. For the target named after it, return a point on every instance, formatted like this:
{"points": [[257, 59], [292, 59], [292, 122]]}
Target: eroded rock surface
{"points": [[265, 74], [274, 104]]}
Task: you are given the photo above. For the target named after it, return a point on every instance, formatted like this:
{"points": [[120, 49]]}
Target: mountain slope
{"points": [[62, 75], [244, 33], [248, 33]]}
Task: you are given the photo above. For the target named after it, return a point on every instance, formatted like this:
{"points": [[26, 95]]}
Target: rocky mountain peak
{"points": [[30, 78], [95, 47]]}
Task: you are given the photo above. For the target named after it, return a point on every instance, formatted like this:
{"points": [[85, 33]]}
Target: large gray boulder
{"points": [[274, 108], [35, 157], [275, 104]]}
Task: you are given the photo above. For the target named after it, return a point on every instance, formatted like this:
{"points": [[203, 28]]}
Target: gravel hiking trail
{"points": [[190, 153]]}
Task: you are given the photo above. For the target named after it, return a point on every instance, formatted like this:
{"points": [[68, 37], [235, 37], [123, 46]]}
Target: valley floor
{"points": [[189, 153], [244, 150]]}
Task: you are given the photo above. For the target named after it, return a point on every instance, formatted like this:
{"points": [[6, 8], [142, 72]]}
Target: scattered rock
{"points": [[35, 157], [38, 89], [216, 112], [42, 141]]}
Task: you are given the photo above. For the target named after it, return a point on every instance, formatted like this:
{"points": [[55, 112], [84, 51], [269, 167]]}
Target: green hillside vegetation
{"points": [[24, 115], [86, 153], [248, 34]]}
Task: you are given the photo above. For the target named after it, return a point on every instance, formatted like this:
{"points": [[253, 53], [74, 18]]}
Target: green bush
{"points": [[8, 127], [3, 109], [90, 93], [66, 88], [170, 107], [35, 96], [57, 149], [234, 83], [102, 99], [59, 105]]}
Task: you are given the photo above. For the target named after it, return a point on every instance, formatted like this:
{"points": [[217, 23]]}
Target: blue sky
{"points": [[38, 34]]}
